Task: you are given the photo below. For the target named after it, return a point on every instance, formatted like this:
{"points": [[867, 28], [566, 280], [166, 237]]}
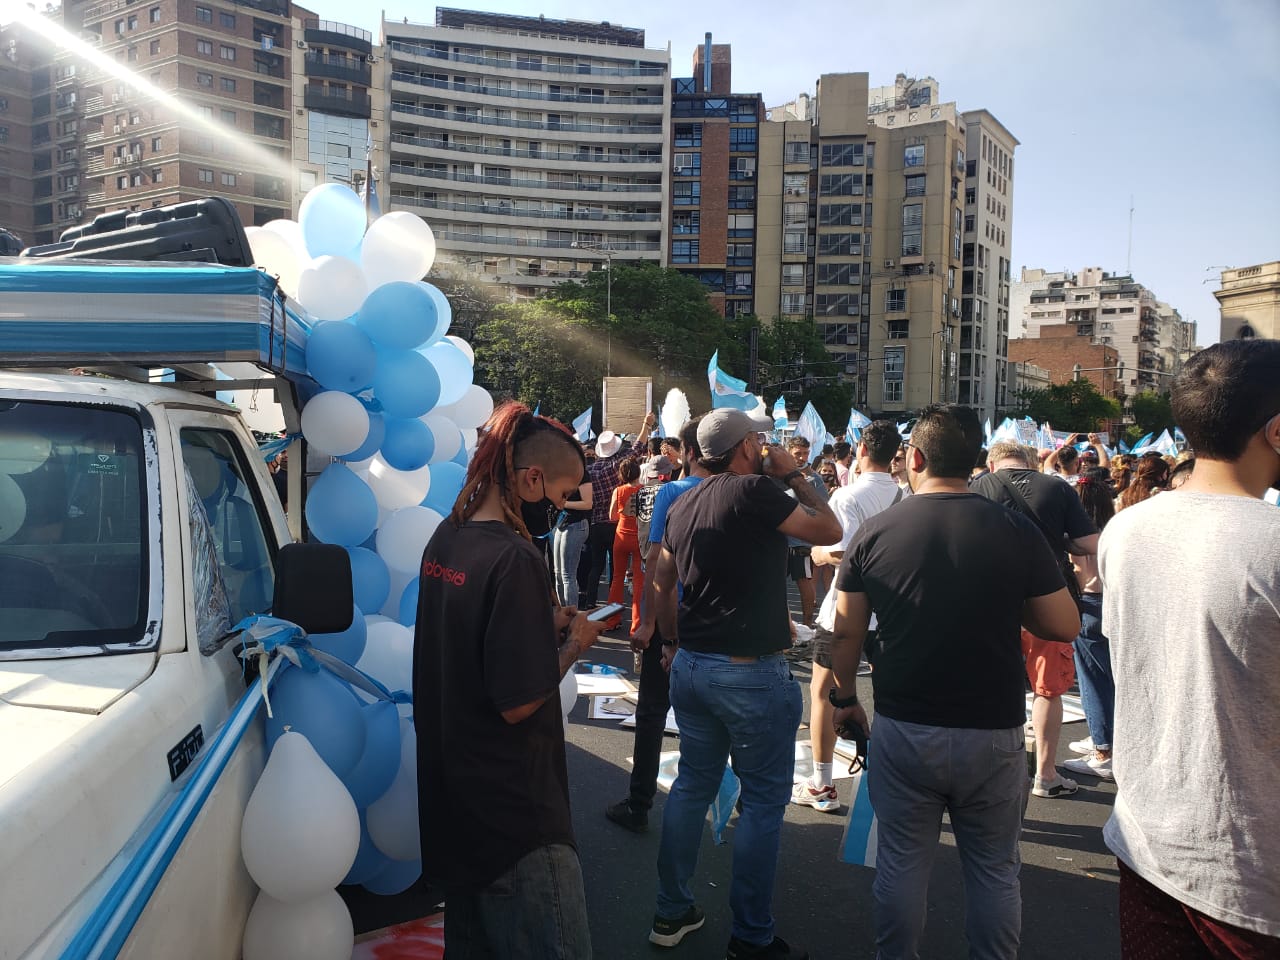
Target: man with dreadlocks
{"points": [[490, 650]]}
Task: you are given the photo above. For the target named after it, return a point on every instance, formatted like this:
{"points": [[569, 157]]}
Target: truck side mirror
{"points": [[313, 587]]}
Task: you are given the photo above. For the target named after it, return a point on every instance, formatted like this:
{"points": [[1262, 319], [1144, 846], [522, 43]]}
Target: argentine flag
{"points": [[727, 391], [582, 425], [853, 429], [780, 413], [811, 427]]}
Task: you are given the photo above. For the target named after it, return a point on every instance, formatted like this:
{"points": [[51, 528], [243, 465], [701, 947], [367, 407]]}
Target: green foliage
{"points": [[793, 361], [1152, 412], [1077, 405]]}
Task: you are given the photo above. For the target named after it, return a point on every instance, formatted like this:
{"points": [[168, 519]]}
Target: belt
{"points": [[775, 653]]}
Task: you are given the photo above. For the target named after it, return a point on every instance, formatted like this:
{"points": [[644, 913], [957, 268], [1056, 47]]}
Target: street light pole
{"points": [[608, 298]]}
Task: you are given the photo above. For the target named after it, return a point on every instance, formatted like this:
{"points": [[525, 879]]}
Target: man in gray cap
{"points": [[732, 690]]}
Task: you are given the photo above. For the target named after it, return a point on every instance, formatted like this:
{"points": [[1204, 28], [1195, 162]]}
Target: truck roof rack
{"points": [[207, 230]]}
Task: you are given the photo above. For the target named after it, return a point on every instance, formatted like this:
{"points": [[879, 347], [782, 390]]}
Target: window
{"points": [[133, 54], [122, 183], [228, 179], [688, 134], [204, 15], [742, 198], [133, 22], [912, 214], [793, 274], [793, 242], [895, 301], [796, 151], [839, 244], [205, 111], [913, 156], [205, 47], [235, 533], [793, 303], [741, 224], [687, 164], [842, 154], [839, 274], [915, 185], [157, 175], [795, 185], [898, 330], [228, 116], [686, 222], [738, 282], [686, 86], [743, 139], [893, 391], [794, 213], [840, 185], [741, 253], [204, 176], [204, 79], [686, 193], [840, 214], [154, 15], [228, 84], [154, 48], [226, 52], [838, 304], [684, 251], [226, 20]]}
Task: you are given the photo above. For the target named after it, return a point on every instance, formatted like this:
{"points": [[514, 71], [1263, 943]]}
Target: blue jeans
{"points": [[567, 543], [980, 778], [537, 910], [749, 711], [1093, 672]]}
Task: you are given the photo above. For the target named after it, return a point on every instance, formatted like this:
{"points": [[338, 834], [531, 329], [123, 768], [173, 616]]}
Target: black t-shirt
{"points": [[488, 791], [1056, 504], [732, 563], [947, 575], [574, 516]]}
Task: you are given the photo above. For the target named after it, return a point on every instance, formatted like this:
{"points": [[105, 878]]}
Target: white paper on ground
{"points": [[610, 708], [1072, 711], [601, 685], [671, 721]]}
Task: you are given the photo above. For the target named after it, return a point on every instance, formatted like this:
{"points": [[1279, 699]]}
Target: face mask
{"points": [[538, 515]]}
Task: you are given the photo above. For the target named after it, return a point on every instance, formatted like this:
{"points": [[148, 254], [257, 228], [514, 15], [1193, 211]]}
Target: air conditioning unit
{"points": [[134, 121], [748, 174], [302, 44], [115, 128], [117, 161], [888, 264]]}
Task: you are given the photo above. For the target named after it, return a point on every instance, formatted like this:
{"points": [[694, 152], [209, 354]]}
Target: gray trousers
{"points": [[979, 777]]}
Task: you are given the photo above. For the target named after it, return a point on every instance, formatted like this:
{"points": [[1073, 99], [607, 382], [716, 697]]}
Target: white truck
{"points": [[138, 523]]}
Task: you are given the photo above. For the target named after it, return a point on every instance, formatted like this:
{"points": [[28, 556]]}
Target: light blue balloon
{"points": [[369, 862], [453, 367], [333, 219], [462, 457], [409, 603], [341, 508], [372, 443], [400, 315], [372, 775], [341, 357], [370, 579], [408, 444], [321, 708], [446, 483], [347, 645], [396, 878], [406, 383], [444, 312]]}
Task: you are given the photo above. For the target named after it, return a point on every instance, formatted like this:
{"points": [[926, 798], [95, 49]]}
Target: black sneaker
{"points": [[668, 933], [627, 817], [779, 949]]}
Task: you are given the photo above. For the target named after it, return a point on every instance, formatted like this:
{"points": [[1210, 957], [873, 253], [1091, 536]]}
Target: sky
{"points": [[1173, 103]]}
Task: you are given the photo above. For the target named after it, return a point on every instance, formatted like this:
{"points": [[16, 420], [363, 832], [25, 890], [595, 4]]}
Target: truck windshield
{"points": [[73, 556]]}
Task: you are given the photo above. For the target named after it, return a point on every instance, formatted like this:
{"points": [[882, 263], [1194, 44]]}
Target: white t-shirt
{"points": [[1192, 608], [854, 505]]}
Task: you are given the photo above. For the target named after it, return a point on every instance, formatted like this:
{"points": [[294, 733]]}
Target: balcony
{"points": [[494, 240], [633, 129], [485, 91], [406, 170], [338, 68], [333, 34], [506, 208], [559, 156], [344, 106], [524, 66]]}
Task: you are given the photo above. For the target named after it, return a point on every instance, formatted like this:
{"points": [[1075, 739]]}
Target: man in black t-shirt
{"points": [[951, 577], [493, 790], [733, 693]]}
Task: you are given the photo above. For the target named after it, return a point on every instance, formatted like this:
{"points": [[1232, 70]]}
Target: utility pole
{"points": [[754, 360], [1128, 257]]}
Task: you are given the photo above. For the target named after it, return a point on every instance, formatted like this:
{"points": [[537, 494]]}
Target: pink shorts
{"points": [[1051, 667]]}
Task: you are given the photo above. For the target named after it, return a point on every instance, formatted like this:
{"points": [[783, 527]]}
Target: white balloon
{"points": [[403, 538], [273, 254], [335, 423], [463, 346], [291, 232], [371, 618], [315, 929], [332, 288], [301, 829], [475, 407], [397, 488], [448, 439], [397, 246], [387, 657], [470, 437], [393, 818], [568, 693]]}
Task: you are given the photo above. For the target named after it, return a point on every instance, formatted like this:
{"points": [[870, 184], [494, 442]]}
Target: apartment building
{"points": [[715, 152], [32, 165], [536, 148], [1062, 355], [212, 116], [337, 119], [1249, 302], [1150, 337]]}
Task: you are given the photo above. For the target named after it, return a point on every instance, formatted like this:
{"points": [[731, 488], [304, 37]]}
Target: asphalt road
{"points": [[1068, 877]]}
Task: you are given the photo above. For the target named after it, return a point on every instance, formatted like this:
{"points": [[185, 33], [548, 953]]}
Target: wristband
{"points": [[841, 703], [792, 475]]}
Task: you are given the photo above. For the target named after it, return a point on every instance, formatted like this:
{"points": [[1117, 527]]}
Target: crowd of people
{"points": [[958, 577]]}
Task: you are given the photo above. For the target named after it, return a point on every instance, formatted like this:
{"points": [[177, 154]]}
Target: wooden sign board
{"points": [[626, 401]]}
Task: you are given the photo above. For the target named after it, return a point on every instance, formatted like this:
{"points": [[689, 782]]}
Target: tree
{"points": [[472, 300], [1152, 412], [1076, 405], [794, 362]]}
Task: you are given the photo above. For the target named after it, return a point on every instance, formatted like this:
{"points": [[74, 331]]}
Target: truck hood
{"points": [[77, 684]]}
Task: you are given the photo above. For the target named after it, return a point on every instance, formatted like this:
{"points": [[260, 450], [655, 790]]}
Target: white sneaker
{"points": [[1062, 787], [1084, 746], [822, 799], [1091, 766]]}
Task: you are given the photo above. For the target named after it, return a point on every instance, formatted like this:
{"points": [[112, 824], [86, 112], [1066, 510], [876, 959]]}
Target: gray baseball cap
{"points": [[721, 430]]}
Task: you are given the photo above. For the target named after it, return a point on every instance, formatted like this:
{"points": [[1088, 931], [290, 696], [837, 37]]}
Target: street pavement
{"points": [[1068, 876]]}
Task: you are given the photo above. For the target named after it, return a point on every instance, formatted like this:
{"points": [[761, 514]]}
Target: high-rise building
{"points": [[862, 223], [536, 148], [715, 137], [339, 121], [1150, 336], [1249, 302], [230, 136]]}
